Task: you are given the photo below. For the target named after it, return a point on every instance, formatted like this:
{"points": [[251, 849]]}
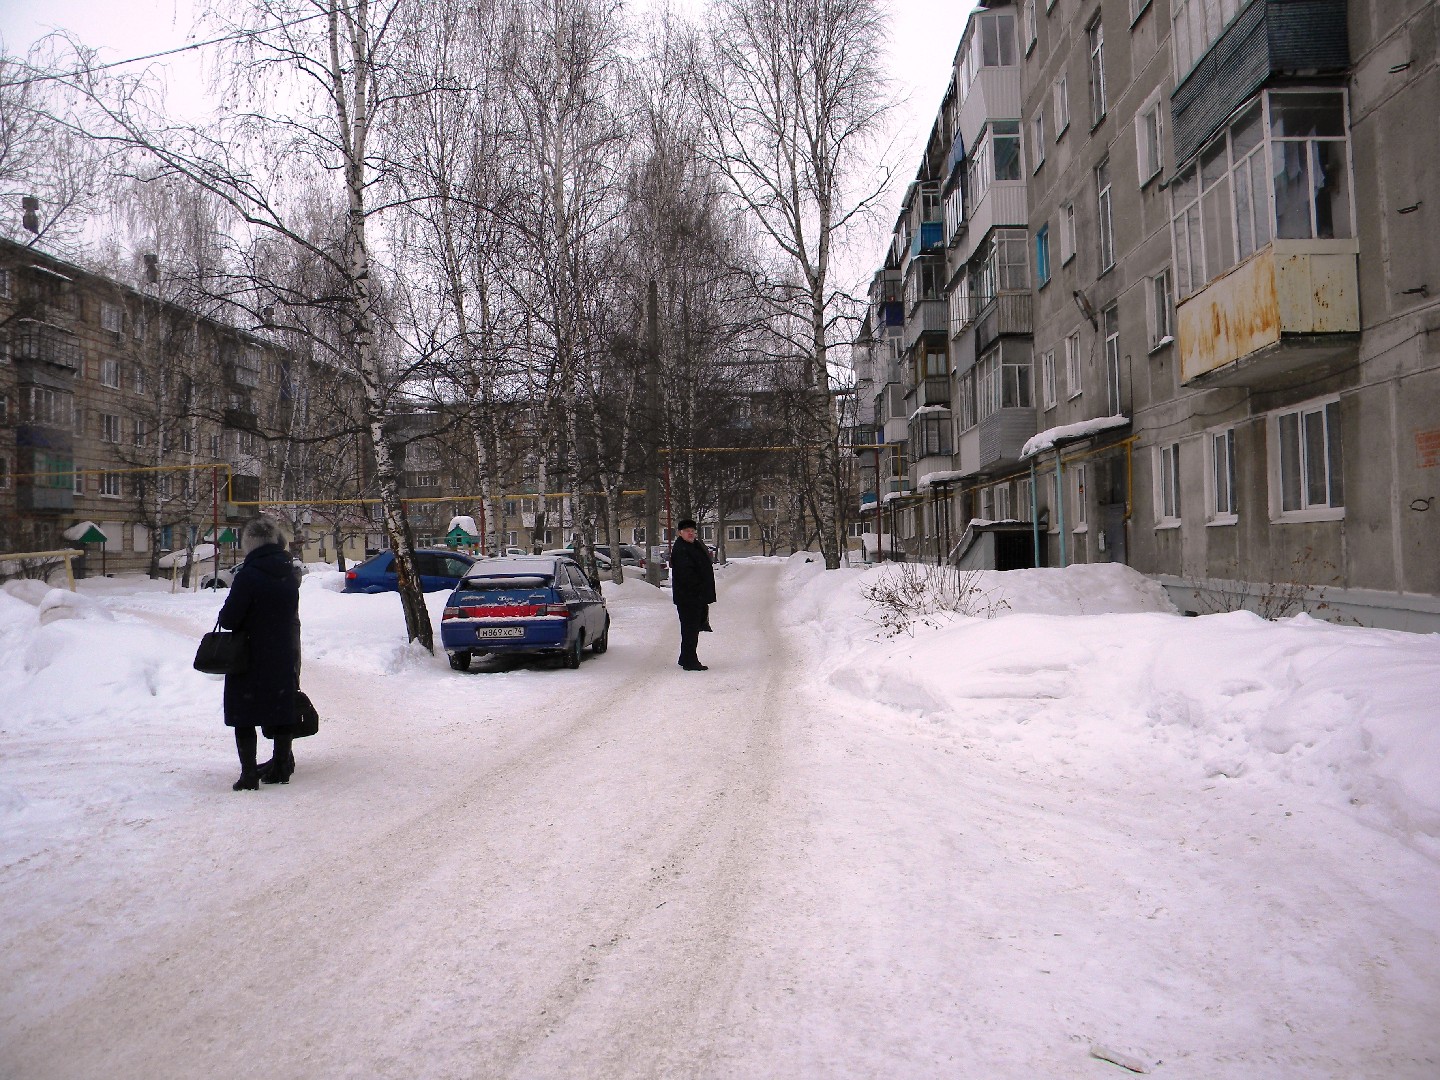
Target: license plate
{"points": [[499, 631]]}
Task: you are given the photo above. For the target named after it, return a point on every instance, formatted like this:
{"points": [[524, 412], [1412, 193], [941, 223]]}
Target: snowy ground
{"points": [[994, 848]]}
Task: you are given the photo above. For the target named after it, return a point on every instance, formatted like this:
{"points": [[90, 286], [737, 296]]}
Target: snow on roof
{"points": [[1066, 432], [942, 477], [81, 528], [465, 522], [929, 409]]}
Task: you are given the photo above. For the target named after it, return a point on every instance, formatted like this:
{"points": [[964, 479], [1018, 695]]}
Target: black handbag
{"points": [[222, 652], [307, 720]]}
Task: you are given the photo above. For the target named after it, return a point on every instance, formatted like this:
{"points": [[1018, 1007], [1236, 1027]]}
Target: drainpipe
{"points": [[1060, 503], [1034, 513]]}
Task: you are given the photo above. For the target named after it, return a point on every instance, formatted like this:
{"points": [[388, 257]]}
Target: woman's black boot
{"points": [[245, 743], [249, 779]]}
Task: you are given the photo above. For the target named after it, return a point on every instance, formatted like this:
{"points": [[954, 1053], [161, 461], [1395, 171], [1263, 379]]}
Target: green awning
{"points": [[86, 532]]}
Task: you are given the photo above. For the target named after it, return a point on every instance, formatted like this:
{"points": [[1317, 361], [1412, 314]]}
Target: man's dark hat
{"points": [[688, 523]]}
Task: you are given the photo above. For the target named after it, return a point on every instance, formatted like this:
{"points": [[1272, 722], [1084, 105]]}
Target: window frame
{"points": [[1047, 380], [1095, 41], [1060, 101], [1105, 219], [1166, 485], [1221, 508], [1325, 408], [1042, 256], [1160, 309], [1037, 140], [1068, 233], [1074, 376], [1110, 323], [1078, 494], [1147, 166]]}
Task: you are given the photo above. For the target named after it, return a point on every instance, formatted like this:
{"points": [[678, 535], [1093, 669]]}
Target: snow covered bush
{"points": [[907, 594]]}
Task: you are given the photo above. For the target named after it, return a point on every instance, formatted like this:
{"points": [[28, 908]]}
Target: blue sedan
{"points": [[537, 605], [439, 568]]}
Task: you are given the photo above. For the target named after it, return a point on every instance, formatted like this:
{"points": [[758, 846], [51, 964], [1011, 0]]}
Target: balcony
{"points": [[47, 344], [994, 95], [929, 237], [1008, 313], [1287, 314], [927, 317], [934, 390], [37, 497], [1002, 206], [1002, 435], [1269, 37]]}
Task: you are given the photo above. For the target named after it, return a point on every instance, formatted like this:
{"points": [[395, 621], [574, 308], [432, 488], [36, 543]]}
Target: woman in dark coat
{"points": [[264, 602], [692, 587]]}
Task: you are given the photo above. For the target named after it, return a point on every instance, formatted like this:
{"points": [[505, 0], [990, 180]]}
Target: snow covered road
{"points": [[990, 850]]}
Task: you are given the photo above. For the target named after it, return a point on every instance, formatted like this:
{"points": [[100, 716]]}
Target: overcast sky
{"points": [[925, 34]]}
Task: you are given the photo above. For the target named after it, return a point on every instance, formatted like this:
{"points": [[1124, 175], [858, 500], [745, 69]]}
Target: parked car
{"points": [[602, 555], [226, 576], [629, 555], [439, 568], [538, 605]]}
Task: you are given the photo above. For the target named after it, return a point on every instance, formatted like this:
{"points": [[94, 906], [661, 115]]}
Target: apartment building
{"points": [[1234, 358], [122, 409]]}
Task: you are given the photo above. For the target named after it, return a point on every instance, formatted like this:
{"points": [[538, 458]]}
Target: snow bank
{"points": [[1089, 668]]}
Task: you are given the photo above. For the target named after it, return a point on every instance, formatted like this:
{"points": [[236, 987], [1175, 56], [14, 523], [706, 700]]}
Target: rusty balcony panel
{"points": [[1284, 313]]}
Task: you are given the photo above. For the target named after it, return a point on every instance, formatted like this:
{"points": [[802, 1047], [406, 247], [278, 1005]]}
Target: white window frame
{"points": [[1160, 309], [110, 427], [1138, 8], [1105, 218], [111, 485], [739, 534], [1095, 39], [1060, 99], [1222, 505], [1004, 503], [112, 317], [1029, 23], [1074, 378], [1166, 485], [1047, 378], [110, 373], [1081, 516], [1037, 140], [1150, 138], [1110, 323], [1327, 410], [1067, 233]]}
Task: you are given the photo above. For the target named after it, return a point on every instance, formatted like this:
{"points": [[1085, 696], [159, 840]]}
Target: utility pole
{"points": [[652, 410]]}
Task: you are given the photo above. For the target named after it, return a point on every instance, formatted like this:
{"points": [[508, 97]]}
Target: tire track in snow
{"points": [[626, 828]]}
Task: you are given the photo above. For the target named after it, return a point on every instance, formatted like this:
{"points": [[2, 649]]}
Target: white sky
{"points": [[925, 34]]}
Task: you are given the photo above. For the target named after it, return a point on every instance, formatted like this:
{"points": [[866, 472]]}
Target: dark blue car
{"points": [[534, 605], [439, 568]]}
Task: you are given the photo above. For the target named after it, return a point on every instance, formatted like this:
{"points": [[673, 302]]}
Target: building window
{"points": [[737, 532], [930, 436], [1197, 24], [1167, 486], [1310, 164], [112, 317], [247, 367], [707, 532], [1149, 128], [1307, 467], [1221, 205], [1073, 386], [769, 503], [1028, 23], [1001, 383], [1024, 498], [1222, 507], [1077, 488], [52, 408], [1111, 321], [1042, 254], [1004, 507], [1037, 140], [996, 157], [1105, 225], [1047, 378], [1138, 8], [965, 391], [109, 428], [4, 283], [110, 373], [637, 535], [4, 465], [1160, 309], [110, 485], [1096, 34], [142, 433], [992, 44], [1008, 265], [139, 379], [1067, 233], [1060, 93]]}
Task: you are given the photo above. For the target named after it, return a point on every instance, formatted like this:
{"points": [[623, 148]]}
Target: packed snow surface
{"points": [[1070, 834]]}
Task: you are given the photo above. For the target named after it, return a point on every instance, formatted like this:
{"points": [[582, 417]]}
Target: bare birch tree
{"points": [[793, 98]]}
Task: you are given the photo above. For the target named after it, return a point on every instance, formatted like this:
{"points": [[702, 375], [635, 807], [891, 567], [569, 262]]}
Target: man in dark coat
{"points": [[264, 603], [692, 587]]}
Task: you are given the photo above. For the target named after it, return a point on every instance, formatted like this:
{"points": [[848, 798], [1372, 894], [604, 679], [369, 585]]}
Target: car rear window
{"points": [[505, 584]]}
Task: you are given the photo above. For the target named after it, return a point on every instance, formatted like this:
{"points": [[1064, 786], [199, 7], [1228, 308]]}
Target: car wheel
{"points": [[572, 656], [603, 641], [460, 661]]}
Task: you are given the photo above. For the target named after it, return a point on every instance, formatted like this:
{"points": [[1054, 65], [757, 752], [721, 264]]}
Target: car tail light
{"points": [[557, 609], [350, 575], [451, 613]]}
